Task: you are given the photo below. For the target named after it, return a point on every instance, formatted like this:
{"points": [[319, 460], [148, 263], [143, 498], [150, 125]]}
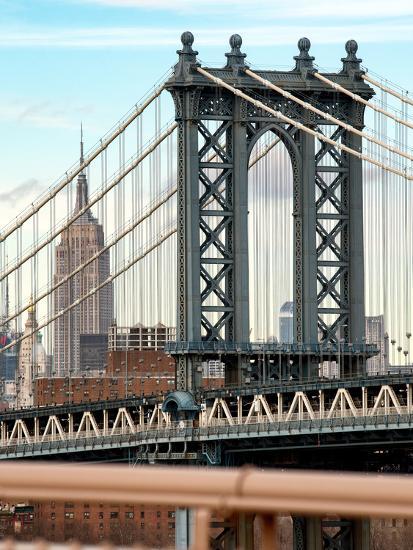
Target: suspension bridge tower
{"points": [[217, 131]]}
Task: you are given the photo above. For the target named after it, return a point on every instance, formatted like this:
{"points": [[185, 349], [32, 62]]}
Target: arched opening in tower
{"points": [[270, 241]]}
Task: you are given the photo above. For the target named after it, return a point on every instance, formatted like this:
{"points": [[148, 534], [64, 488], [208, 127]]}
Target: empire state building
{"points": [[79, 242]]}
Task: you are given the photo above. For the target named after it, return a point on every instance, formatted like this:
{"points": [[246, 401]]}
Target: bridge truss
{"points": [[225, 423]]}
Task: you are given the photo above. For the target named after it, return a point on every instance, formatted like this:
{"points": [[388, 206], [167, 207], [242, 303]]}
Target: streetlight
{"points": [[400, 349], [339, 341], [386, 351]]}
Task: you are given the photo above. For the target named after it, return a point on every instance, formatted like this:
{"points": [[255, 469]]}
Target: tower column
{"points": [[356, 250], [306, 281]]}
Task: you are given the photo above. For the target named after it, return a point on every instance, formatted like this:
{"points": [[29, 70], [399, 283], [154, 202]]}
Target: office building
{"points": [[79, 242]]}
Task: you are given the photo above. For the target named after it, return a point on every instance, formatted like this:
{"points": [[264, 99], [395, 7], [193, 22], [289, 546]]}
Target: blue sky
{"points": [[63, 61]]}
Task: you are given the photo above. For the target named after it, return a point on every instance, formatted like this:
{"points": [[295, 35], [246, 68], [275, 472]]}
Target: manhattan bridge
{"points": [[224, 193]]}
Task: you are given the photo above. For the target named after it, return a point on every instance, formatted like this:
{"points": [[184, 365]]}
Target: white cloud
{"points": [[20, 193], [109, 37], [42, 114]]}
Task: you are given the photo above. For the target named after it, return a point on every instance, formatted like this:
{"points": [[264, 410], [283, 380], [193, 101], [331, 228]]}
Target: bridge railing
{"points": [[208, 426], [231, 492]]}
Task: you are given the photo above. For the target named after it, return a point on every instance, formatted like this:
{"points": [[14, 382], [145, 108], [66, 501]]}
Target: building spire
{"points": [[82, 197], [81, 143]]}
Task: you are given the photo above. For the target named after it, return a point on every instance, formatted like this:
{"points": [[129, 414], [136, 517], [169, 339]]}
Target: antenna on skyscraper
{"points": [[81, 143]]}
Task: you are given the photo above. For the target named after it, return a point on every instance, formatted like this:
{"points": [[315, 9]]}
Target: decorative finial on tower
{"points": [[351, 63], [187, 56], [235, 58], [187, 39], [304, 61]]}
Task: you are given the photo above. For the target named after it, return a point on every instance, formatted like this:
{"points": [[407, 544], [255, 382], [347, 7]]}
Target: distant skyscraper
{"points": [[287, 323], [32, 362], [375, 334], [82, 240], [9, 358]]}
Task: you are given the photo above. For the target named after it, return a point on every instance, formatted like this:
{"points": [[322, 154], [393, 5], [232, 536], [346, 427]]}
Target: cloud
{"points": [[42, 114], [109, 37], [21, 192]]}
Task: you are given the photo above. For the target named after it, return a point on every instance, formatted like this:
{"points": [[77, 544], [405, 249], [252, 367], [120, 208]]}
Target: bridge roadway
{"points": [[372, 413]]}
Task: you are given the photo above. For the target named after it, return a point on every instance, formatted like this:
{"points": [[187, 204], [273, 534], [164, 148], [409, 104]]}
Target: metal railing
{"points": [[185, 430], [227, 491], [325, 349]]}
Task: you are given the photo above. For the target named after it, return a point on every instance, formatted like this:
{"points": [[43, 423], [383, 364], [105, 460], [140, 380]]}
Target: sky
{"points": [[63, 62], [67, 61]]}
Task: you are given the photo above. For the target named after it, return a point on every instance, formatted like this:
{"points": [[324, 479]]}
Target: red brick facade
{"points": [[145, 372], [122, 525], [132, 372]]}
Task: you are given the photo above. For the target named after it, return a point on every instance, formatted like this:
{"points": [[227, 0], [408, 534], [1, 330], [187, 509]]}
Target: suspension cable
{"points": [[162, 237], [359, 99], [301, 126], [150, 209], [260, 154], [266, 149], [93, 200], [20, 220], [403, 98], [327, 116], [158, 201]]}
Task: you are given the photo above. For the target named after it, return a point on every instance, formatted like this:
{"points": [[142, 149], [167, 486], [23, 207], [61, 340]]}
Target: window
{"points": [[158, 514], [69, 505], [171, 514], [86, 515], [114, 515], [53, 515], [158, 525], [171, 525], [69, 515], [100, 515], [129, 515], [100, 525], [142, 525]]}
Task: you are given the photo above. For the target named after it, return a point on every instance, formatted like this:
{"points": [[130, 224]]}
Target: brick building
{"points": [[122, 524], [128, 373]]}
